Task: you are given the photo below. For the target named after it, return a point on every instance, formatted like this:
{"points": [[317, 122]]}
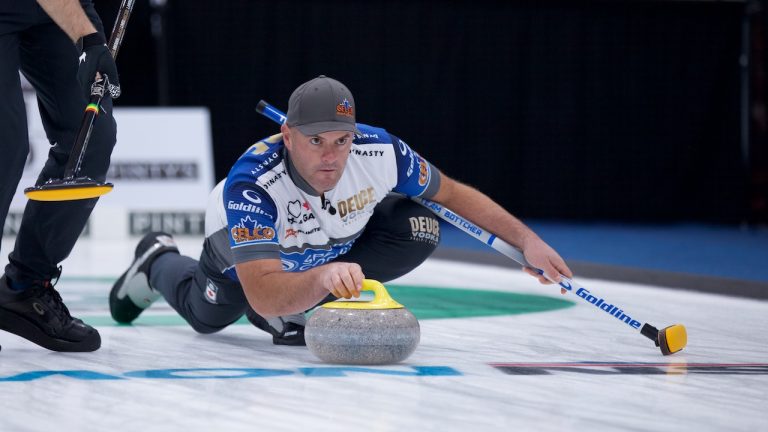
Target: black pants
{"points": [[400, 235], [31, 42]]}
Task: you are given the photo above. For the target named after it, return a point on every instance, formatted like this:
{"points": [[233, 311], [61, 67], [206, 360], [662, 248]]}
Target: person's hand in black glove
{"points": [[97, 58]]}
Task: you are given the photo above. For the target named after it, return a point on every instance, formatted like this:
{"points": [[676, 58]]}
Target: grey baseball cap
{"points": [[321, 105]]}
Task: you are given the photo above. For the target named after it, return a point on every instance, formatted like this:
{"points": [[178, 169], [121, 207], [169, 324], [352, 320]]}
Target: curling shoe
{"points": [[131, 294], [38, 314], [285, 330]]}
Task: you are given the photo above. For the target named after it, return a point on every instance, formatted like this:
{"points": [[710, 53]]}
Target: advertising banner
{"points": [[162, 169]]}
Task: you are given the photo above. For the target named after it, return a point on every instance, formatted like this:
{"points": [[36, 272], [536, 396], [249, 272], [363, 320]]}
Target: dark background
{"points": [[587, 110]]}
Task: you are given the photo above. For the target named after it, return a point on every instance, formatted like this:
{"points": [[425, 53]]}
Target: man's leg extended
{"points": [[207, 307], [159, 269]]}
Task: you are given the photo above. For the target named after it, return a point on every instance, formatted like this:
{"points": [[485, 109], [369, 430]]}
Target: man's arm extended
{"points": [[482, 210]]}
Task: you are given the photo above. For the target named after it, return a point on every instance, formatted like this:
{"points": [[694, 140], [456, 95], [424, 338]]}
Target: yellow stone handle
{"points": [[381, 299]]}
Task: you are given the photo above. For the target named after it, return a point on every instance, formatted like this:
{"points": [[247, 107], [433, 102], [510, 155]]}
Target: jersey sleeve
{"points": [[415, 175], [251, 219]]}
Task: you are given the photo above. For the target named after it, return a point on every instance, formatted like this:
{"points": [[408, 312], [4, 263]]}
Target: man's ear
{"points": [[286, 136]]}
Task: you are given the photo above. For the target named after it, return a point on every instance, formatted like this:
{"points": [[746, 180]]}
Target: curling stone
{"points": [[379, 331]]}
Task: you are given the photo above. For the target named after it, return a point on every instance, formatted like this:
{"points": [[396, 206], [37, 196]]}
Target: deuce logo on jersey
{"points": [[356, 202]]}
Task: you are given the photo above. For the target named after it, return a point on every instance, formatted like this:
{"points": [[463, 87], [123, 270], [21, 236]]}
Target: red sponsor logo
{"points": [[423, 172], [290, 232], [345, 109]]}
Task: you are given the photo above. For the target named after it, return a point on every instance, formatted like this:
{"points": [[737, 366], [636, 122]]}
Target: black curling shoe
{"points": [[39, 315]]}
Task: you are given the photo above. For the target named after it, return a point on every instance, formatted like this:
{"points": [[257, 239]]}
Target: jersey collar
{"points": [[297, 179]]}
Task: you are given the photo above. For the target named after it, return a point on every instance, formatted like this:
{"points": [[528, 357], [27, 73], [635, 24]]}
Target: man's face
{"points": [[319, 159]]}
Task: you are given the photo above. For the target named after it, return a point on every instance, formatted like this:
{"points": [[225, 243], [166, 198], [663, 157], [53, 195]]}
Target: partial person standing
{"points": [[41, 40]]}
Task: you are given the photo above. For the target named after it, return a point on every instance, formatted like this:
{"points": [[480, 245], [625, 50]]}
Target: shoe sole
{"points": [[12, 323], [124, 310]]}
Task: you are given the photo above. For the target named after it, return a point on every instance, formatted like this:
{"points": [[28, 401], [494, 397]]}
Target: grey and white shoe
{"points": [[285, 330], [131, 294]]}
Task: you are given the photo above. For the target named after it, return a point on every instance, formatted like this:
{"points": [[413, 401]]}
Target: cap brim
{"points": [[320, 127]]}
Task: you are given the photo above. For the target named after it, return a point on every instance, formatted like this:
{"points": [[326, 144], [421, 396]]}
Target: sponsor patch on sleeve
{"points": [[250, 215], [414, 173], [211, 292], [250, 231]]}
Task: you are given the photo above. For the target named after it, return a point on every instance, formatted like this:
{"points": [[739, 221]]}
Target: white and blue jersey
{"points": [[265, 210]]}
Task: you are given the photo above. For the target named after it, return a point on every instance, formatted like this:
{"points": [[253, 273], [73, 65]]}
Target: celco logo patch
{"points": [[242, 235], [344, 108], [248, 230]]}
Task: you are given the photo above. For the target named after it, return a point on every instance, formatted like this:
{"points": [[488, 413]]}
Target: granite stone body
{"points": [[362, 336]]}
